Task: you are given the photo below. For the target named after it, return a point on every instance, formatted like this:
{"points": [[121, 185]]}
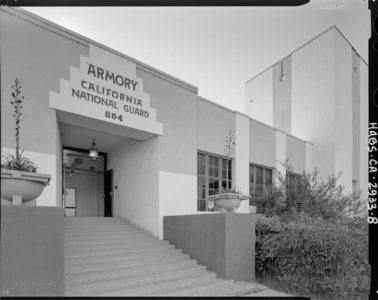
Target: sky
{"points": [[217, 49]]}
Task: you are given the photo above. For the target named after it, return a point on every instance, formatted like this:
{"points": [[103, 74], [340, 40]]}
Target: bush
{"points": [[311, 195], [313, 256], [307, 238]]}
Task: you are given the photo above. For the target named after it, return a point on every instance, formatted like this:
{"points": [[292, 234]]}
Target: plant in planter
{"points": [[230, 197], [19, 180]]}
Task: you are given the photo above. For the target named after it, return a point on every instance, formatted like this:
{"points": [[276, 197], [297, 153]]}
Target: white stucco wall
{"points": [[296, 153], [309, 167], [59, 167], [213, 119], [356, 120], [260, 90], [177, 195], [282, 96], [364, 117], [135, 173], [262, 141], [241, 161], [46, 164], [313, 94], [343, 124], [280, 152]]}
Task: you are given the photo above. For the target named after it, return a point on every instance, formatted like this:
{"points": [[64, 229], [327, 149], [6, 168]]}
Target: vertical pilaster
{"points": [[241, 173], [282, 95], [280, 152], [308, 166]]}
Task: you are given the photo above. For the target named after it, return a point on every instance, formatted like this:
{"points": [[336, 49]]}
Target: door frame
{"points": [[64, 172], [108, 193], [65, 199]]}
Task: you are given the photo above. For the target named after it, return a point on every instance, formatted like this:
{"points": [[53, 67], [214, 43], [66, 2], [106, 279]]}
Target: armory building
{"points": [[161, 145]]}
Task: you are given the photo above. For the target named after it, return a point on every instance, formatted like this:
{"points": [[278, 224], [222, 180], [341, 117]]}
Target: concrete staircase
{"points": [[112, 257]]}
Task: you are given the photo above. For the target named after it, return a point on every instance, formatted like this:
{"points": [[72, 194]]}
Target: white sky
{"points": [[216, 49]]}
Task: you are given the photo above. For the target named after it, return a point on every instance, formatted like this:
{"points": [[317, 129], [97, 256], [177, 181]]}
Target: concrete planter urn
{"points": [[19, 186], [228, 201]]}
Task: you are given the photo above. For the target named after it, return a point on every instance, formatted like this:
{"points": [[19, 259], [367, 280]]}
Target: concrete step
{"points": [[154, 288], [98, 224], [112, 246], [78, 233], [182, 289], [113, 257], [125, 251], [115, 273], [95, 221], [142, 262], [73, 236], [127, 281], [102, 229], [70, 218], [98, 227], [124, 236], [105, 259], [110, 240], [92, 219]]}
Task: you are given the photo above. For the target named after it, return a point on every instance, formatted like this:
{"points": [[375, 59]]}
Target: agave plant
{"points": [[230, 144], [18, 162]]}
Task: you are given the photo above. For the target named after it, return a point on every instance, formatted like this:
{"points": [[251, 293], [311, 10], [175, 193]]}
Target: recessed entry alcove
{"points": [[87, 183]]}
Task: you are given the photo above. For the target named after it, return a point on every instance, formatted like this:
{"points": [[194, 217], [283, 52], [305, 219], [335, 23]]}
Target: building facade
{"points": [[161, 145], [319, 93]]}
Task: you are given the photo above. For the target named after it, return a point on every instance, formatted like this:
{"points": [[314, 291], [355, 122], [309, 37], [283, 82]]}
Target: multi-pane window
{"points": [[201, 181], [213, 168], [260, 180], [293, 189], [268, 180], [211, 178], [292, 180], [259, 187]]}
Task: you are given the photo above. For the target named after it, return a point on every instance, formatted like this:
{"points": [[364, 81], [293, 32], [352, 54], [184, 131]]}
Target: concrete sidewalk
{"points": [[260, 290]]}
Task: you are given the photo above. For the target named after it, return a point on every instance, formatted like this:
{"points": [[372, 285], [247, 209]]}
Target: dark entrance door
{"points": [[108, 193]]}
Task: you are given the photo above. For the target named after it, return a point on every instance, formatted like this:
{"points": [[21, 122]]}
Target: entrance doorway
{"points": [[108, 193], [87, 186]]}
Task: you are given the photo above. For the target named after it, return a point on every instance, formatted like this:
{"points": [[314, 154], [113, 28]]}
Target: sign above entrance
{"points": [[106, 88]]}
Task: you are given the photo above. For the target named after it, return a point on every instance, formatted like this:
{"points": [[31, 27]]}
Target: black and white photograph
{"points": [[182, 150]]}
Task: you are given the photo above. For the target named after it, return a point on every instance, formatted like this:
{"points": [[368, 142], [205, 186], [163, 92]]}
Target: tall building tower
{"points": [[319, 93]]}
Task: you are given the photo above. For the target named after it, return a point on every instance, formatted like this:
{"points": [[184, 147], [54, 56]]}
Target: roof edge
{"points": [[250, 118], [42, 22]]}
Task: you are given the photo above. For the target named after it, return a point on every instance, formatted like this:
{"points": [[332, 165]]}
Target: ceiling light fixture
{"points": [[93, 153]]}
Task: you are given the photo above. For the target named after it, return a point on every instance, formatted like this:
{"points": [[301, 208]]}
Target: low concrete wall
{"points": [[32, 251], [223, 242]]}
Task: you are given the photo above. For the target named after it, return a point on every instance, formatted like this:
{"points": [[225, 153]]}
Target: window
{"points": [[294, 185], [294, 188], [260, 180], [211, 178], [292, 180]]}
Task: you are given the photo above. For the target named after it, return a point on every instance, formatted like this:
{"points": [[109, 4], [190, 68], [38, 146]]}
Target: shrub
{"points": [[314, 256], [307, 239], [311, 195]]}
